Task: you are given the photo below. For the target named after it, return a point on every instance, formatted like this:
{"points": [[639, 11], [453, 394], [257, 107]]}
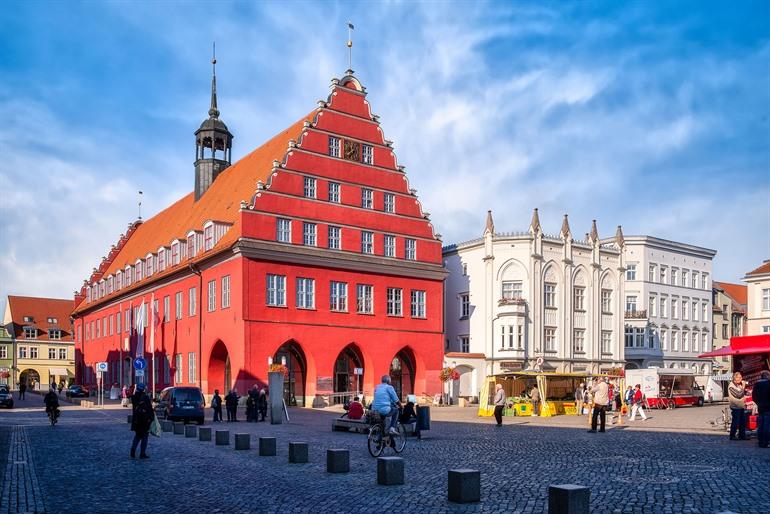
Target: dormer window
{"points": [[52, 320], [129, 276], [161, 259], [118, 280], [28, 319], [88, 294], [149, 269], [30, 332], [54, 333], [191, 250], [102, 288], [175, 253], [110, 284], [208, 237], [138, 270]]}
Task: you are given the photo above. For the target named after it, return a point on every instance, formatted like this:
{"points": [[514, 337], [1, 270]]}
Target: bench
{"points": [[361, 426]]}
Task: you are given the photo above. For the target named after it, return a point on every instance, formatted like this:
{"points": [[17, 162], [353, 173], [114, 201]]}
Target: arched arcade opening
{"points": [[290, 354], [348, 373], [219, 370], [402, 372]]}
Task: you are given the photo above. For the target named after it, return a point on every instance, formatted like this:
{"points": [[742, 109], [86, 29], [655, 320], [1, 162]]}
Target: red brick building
{"points": [[311, 250]]}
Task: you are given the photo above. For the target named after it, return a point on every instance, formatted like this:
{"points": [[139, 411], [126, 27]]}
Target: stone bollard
{"points": [[267, 446], [390, 471], [337, 461], [297, 453], [568, 499], [222, 437], [166, 426], [242, 441], [130, 418], [464, 485], [204, 434], [191, 430], [178, 428]]}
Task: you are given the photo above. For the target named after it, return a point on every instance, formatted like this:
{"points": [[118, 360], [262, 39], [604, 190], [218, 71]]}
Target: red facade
{"points": [[317, 233]]}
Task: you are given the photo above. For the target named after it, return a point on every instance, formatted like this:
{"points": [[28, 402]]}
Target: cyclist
{"points": [[386, 402], [51, 401]]}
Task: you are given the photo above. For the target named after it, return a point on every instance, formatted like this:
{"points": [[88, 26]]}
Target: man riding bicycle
{"points": [[51, 401], [386, 402]]}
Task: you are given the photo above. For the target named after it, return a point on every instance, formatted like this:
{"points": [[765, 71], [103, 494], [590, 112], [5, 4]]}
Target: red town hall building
{"points": [[311, 251]]}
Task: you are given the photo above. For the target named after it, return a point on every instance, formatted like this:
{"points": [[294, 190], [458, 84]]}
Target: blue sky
{"points": [[654, 116]]}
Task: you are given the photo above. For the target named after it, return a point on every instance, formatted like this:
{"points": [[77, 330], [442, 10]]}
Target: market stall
{"points": [[557, 392]]}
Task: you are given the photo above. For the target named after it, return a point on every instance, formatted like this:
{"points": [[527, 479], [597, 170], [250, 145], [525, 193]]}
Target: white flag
{"points": [[139, 327], [154, 319]]}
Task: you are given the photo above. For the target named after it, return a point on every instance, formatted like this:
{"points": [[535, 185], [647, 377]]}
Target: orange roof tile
{"points": [[764, 268], [40, 309], [738, 292]]}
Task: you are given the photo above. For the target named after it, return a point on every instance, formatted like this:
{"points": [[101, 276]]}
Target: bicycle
{"points": [[722, 421], [379, 438], [665, 403], [53, 416]]}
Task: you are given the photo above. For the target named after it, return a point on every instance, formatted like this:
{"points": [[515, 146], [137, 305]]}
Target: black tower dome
{"points": [[214, 136]]}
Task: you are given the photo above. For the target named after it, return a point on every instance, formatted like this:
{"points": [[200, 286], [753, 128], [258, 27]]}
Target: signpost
{"points": [[140, 364]]}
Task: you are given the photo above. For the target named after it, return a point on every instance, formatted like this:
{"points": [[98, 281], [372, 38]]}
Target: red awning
{"points": [[742, 346]]}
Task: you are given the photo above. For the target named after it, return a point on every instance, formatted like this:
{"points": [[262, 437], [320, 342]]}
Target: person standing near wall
{"points": [[736, 392]]}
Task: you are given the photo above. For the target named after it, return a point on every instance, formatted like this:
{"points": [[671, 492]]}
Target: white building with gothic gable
{"points": [[512, 298]]}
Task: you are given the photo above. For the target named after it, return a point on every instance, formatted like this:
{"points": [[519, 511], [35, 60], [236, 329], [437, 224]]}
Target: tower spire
{"points": [[213, 110], [490, 225]]}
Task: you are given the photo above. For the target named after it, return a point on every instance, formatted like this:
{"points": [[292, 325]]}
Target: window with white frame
{"points": [[664, 339], [367, 242], [225, 291], [550, 339], [694, 281], [695, 342], [465, 305], [30, 332], [389, 202], [394, 301], [410, 249], [695, 310], [685, 309], [705, 341], [520, 337], [389, 248], [631, 272], [704, 281], [110, 284], [178, 370], [674, 276], [137, 272], [3, 352], [652, 273], [308, 234], [685, 275], [465, 344], [335, 238], [192, 298], [664, 306], [161, 261], [309, 184], [127, 320], [675, 340], [578, 340], [33, 352], [305, 293], [174, 257], [766, 299], [148, 267], [550, 295], [674, 308], [283, 230], [512, 289], [62, 354], [705, 311], [365, 299], [653, 305], [367, 198], [334, 192], [663, 275], [276, 290], [367, 154], [208, 237], [607, 301], [178, 305], [338, 296], [418, 304], [334, 146], [630, 303], [51, 353], [22, 352], [166, 311], [578, 298], [211, 296], [606, 342], [685, 341]]}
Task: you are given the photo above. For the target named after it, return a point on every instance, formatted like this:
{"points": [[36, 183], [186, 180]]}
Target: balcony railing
{"points": [[636, 314], [512, 301], [516, 305]]}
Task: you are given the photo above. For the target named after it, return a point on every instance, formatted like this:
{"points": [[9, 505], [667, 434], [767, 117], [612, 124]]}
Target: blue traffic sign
{"points": [[140, 363]]}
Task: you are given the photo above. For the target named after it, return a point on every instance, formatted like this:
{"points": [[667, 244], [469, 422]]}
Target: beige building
{"points": [[729, 318], [758, 283]]}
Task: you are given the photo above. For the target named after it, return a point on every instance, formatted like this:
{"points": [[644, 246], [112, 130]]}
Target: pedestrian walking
{"points": [[534, 394], [124, 396], [141, 419], [61, 386], [251, 404], [579, 399], [761, 396], [637, 400], [22, 389], [216, 404], [628, 398], [600, 391], [262, 404], [499, 402], [231, 404], [736, 392]]}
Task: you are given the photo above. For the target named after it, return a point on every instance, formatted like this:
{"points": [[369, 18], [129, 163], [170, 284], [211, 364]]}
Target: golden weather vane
{"points": [[350, 46]]}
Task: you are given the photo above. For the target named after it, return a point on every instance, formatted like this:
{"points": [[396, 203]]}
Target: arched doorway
{"points": [[464, 386], [346, 380], [402, 372], [30, 377], [219, 374], [291, 355], [128, 371]]}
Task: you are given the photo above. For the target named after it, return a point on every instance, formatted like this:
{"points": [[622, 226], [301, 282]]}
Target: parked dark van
{"points": [[181, 404]]}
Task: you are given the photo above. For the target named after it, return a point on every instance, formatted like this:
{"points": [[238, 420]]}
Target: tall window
{"points": [[663, 274], [705, 312], [364, 299], [389, 202], [338, 296], [390, 246], [174, 260], [704, 281], [653, 304], [276, 290], [62, 354], [630, 303], [335, 238], [631, 272], [161, 262], [675, 340], [208, 238], [550, 295], [305, 293], [308, 234], [22, 352], [695, 310], [191, 367], [334, 146], [51, 353], [33, 352], [664, 340], [178, 371], [607, 301], [309, 187], [578, 341], [674, 308], [550, 339], [367, 198], [651, 276], [520, 337], [465, 344], [226, 291], [283, 230], [3, 352], [166, 311], [663, 307], [177, 305], [334, 192], [766, 299], [685, 274], [579, 296], [367, 242], [606, 341], [394, 304], [418, 304], [512, 289], [367, 154], [192, 298], [410, 249], [685, 310], [704, 342], [674, 276], [212, 295], [694, 281], [465, 305], [685, 341]]}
